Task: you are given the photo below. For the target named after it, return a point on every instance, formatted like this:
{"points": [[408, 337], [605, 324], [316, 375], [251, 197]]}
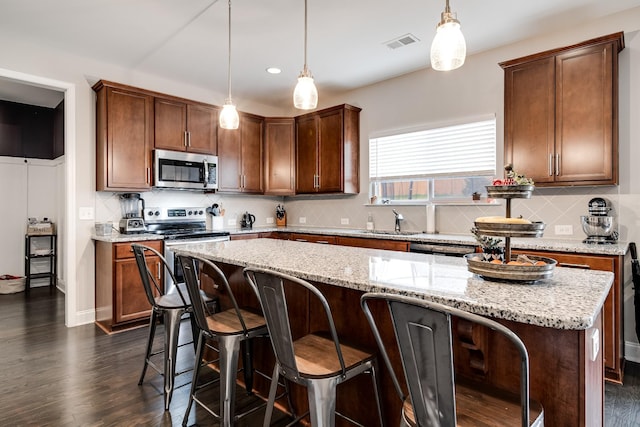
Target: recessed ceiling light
{"points": [[274, 70]]}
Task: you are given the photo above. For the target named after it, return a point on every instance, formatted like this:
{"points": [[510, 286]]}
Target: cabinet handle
{"points": [[188, 139], [301, 240], [148, 175], [159, 271], [550, 164], [185, 139], [557, 164], [570, 265], [325, 242]]}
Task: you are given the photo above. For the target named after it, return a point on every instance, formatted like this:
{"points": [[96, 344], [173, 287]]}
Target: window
{"points": [[444, 164]]}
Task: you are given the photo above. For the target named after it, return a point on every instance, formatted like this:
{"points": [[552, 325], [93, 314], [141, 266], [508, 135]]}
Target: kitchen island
{"points": [[559, 319]]}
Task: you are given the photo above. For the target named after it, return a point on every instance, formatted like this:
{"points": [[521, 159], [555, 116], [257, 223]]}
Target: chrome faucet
{"points": [[399, 218]]}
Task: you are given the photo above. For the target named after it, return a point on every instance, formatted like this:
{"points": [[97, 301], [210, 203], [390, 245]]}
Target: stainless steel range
{"points": [[180, 226]]}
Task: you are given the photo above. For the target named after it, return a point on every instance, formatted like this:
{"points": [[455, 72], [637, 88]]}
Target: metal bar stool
{"points": [[423, 335], [315, 361], [171, 307], [229, 328]]}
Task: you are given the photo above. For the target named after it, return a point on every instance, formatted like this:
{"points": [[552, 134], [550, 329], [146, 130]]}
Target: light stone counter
{"points": [[571, 299]]}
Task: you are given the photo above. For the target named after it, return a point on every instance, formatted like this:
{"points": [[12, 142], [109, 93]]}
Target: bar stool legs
{"points": [[172, 328]]}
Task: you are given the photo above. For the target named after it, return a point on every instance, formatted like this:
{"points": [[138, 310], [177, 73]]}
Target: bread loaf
{"points": [[502, 220]]}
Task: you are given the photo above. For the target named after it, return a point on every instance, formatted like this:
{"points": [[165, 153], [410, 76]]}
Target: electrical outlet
{"points": [[302, 220], [231, 222], [269, 220], [344, 221], [564, 230], [85, 213]]}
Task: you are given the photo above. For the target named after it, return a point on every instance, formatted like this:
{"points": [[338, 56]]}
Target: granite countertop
{"points": [[570, 299], [540, 244]]}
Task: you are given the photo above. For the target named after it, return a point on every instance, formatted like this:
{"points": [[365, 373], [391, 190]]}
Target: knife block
{"points": [[281, 222]]}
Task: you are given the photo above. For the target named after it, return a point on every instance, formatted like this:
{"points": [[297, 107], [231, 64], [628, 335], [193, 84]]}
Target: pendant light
{"points": [[448, 49], [229, 115], [305, 95]]}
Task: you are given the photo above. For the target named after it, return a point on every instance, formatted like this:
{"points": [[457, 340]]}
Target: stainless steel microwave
{"points": [[180, 170]]}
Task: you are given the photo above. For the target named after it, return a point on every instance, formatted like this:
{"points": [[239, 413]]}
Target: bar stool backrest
{"points": [[151, 286], [423, 334], [270, 289], [190, 268]]}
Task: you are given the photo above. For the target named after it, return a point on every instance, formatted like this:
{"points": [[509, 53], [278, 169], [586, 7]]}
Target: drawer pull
{"points": [[570, 265]]}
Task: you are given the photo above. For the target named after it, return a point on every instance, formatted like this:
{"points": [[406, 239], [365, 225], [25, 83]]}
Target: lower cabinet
{"points": [[313, 238], [613, 337], [121, 301], [390, 245]]}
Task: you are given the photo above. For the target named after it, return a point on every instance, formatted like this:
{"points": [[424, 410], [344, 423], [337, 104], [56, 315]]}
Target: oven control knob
{"points": [[157, 213], [190, 212], [150, 213], [200, 212]]}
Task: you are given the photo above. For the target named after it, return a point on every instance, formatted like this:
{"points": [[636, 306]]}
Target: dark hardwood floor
{"points": [[57, 376]]}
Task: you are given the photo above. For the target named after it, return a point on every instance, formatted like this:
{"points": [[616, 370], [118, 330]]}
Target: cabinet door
{"points": [[251, 157], [330, 152], [229, 157], [279, 153], [306, 154], [124, 140], [170, 125], [202, 125], [584, 115], [530, 119], [313, 238], [130, 301]]}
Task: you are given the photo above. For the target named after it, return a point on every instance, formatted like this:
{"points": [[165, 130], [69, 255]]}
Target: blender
{"points": [[132, 209]]}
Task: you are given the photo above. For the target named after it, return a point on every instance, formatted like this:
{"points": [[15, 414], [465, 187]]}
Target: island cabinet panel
{"points": [[124, 138], [279, 156], [183, 126], [121, 301], [327, 151], [313, 238], [613, 335], [240, 156], [561, 114]]}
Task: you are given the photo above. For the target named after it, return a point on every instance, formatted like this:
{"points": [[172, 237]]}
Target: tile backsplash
{"points": [[554, 206]]}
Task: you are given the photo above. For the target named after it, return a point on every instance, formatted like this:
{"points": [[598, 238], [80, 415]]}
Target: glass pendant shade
{"points": [[229, 118], [305, 95], [448, 49]]}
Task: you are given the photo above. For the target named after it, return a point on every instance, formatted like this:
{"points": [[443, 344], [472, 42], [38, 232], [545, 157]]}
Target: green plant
{"points": [[486, 242]]}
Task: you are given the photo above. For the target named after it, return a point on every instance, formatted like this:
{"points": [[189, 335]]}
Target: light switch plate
{"points": [[231, 222], [270, 220], [85, 212], [344, 221], [302, 220], [564, 230]]}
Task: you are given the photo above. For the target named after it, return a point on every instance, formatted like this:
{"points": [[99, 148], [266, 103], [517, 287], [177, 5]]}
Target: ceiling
{"points": [[347, 39]]}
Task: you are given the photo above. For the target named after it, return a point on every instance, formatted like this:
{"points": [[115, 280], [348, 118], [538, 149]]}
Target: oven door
{"points": [[170, 256]]}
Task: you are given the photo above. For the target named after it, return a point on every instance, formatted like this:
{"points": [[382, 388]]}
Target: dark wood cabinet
{"points": [[183, 126], [561, 114], [613, 336], [121, 301], [240, 156], [313, 238], [124, 138], [390, 245], [279, 156], [327, 151]]}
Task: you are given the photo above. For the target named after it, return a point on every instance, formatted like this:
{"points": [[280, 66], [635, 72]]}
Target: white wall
{"points": [[28, 189]]}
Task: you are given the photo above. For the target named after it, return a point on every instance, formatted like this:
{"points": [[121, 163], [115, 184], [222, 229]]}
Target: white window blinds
{"points": [[467, 149]]}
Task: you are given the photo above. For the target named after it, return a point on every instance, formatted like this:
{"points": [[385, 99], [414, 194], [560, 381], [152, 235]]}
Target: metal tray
{"points": [[510, 191], [535, 229], [515, 273]]}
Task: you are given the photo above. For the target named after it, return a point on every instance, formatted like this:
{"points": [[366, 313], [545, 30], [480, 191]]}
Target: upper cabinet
{"points": [[124, 138], [240, 156], [279, 156], [183, 126], [561, 114], [327, 151]]}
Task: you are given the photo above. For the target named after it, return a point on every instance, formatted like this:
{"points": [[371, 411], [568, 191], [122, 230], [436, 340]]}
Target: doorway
{"points": [[32, 85]]}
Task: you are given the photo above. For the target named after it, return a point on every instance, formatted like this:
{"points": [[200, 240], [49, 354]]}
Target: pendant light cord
{"points": [[305, 36], [229, 55]]}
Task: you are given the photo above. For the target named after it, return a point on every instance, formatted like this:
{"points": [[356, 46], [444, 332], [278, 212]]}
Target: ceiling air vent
{"points": [[402, 41]]}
